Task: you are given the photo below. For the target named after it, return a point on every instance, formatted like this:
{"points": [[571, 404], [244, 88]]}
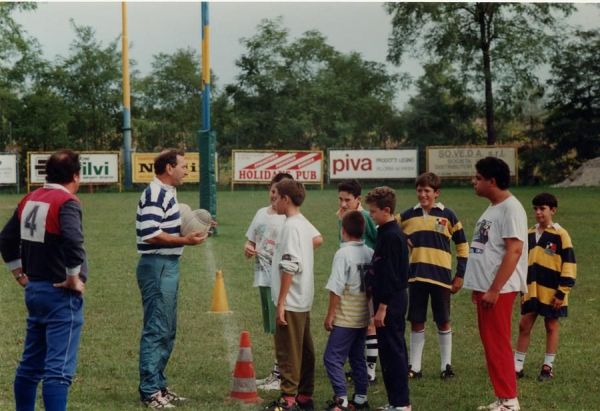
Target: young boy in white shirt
{"points": [[292, 288], [348, 315]]}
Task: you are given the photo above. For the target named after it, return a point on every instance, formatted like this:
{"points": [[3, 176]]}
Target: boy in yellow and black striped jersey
{"points": [[430, 226], [550, 276]]}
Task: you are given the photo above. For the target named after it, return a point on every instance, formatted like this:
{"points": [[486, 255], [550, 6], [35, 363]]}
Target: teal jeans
{"points": [[158, 279]]}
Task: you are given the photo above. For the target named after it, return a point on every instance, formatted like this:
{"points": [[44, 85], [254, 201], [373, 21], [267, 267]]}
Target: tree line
{"points": [[478, 87]]}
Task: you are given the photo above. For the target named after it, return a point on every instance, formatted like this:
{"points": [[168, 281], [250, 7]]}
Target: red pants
{"points": [[495, 332]]}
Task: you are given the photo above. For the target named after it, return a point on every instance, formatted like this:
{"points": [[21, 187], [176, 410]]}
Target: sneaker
{"points": [[390, 408], [414, 375], [520, 374], [157, 401], [546, 373], [306, 405], [172, 396], [336, 405], [281, 404], [447, 373], [502, 404], [354, 406], [271, 383]]}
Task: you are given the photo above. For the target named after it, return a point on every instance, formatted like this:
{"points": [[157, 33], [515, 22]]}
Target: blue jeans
{"points": [[54, 321], [158, 279], [346, 343]]}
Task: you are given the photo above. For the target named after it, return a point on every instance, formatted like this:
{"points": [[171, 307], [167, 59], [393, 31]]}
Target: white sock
{"points": [[445, 338], [519, 360], [549, 359], [344, 399], [417, 342], [371, 349], [360, 399]]}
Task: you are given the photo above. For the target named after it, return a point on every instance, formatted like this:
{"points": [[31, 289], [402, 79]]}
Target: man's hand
{"points": [[195, 238], [249, 249], [20, 276], [379, 317], [73, 282], [280, 315], [328, 323], [457, 284]]}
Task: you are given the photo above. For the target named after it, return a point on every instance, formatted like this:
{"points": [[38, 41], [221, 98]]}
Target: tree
{"points": [[572, 127], [89, 81], [304, 94], [493, 44], [167, 102], [19, 54], [441, 113]]}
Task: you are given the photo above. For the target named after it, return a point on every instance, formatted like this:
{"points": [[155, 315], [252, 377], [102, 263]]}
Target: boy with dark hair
{"points": [[387, 282], [292, 288], [550, 277], [496, 271], [348, 315], [429, 227], [260, 244], [349, 192]]}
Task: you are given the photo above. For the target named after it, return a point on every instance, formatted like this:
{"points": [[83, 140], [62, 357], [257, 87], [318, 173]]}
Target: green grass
{"points": [[206, 346]]}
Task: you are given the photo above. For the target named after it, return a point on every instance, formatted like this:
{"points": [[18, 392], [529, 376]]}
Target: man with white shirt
{"points": [[496, 271]]}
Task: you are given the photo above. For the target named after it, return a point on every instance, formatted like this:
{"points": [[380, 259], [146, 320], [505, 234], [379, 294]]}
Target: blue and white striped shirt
{"points": [[158, 212]]}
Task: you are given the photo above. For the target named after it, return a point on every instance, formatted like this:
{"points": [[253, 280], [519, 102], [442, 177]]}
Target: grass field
{"points": [[207, 344]]}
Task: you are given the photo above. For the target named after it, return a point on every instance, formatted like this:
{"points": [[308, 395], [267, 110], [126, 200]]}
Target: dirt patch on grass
{"points": [[588, 175]]}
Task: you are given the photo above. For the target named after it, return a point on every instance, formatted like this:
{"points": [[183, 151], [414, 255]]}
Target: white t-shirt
{"points": [[294, 255], [504, 220], [263, 231], [347, 280]]}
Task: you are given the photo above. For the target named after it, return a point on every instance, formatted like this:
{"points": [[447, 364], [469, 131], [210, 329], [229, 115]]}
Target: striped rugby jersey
{"points": [[158, 212], [551, 270], [429, 238]]}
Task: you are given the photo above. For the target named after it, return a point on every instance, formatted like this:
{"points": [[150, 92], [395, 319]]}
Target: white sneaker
{"points": [[172, 396], [390, 408], [271, 383], [502, 404], [157, 401]]}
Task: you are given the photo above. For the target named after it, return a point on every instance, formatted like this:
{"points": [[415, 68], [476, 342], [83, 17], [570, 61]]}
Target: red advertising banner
{"points": [[262, 166]]}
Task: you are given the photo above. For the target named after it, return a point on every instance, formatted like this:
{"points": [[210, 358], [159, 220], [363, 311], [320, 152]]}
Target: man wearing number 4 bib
{"points": [[42, 244]]}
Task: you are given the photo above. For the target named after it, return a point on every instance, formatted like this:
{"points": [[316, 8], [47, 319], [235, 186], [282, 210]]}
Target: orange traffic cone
{"points": [[244, 377], [219, 297]]}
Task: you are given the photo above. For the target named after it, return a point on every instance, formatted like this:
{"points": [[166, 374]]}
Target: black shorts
{"points": [[419, 293]]}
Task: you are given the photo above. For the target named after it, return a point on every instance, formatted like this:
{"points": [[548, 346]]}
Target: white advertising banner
{"points": [[96, 168], [8, 169], [262, 166], [372, 164], [456, 161]]}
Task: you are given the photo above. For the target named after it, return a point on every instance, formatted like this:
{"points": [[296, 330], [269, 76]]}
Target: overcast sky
{"points": [[165, 27]]}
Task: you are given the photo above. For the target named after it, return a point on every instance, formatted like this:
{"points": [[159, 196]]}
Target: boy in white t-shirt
{"points": [[292, 288], [261, 237], [348, 315], [496, 271]]}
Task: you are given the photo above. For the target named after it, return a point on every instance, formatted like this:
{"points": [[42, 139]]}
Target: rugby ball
{"points": [[194, 220]]}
